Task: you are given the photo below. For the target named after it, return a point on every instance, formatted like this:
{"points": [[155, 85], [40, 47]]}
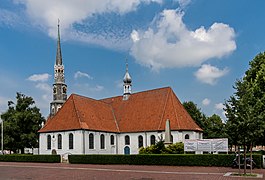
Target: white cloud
{"points": [[219, 106], [44, 87], [171, 44], [206, 102], [45, 13], [39, 77], [85, 87], [119, 84], [79, 74], [97, 88], [183, 3], [209, 74], [3, 104]]}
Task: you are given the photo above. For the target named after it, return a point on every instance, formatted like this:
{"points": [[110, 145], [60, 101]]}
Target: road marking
{"points": [[114, 170]]}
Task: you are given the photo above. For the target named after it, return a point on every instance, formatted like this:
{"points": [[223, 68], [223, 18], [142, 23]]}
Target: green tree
{"points": [[195, 113], [245, 110], [214, 127], [21, 124]]}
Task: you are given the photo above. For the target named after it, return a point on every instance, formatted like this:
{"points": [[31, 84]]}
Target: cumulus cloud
{"points": [[183, 3], [219, 106], [79, 74], [209, 74], [169, 43], [45, 13], [39, 77], [206, 102], [44, 87]]}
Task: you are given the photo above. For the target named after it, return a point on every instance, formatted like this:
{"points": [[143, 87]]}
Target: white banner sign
{"points": [[217, 145]]}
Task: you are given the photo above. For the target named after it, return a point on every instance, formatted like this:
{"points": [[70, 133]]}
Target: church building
{"points": [[115, 125]]}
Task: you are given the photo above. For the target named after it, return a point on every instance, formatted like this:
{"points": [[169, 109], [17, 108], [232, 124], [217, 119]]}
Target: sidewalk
{"points": [[11, 170]]}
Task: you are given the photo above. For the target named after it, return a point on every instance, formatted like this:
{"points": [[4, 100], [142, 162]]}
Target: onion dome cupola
{"points": [[127, 78], [127, 86]]}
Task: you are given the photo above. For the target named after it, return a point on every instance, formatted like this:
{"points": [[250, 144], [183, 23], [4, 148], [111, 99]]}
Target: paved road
{"points": [[11, 170]]}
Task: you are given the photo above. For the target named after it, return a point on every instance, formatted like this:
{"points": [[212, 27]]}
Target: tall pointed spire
{"points": [[127, 86], [59, 86], [59, 53]]}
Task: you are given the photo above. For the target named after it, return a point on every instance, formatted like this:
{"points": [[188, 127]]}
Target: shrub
{"points": [[161, 159], [160, 148], [31, 158]]}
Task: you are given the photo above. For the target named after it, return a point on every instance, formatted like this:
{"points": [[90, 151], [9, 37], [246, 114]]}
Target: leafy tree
{"points": [[246, 108], [21, 124], [195, 113], [214, 127]]}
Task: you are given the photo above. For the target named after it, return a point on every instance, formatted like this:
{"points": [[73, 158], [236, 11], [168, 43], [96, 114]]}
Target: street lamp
{"points": [[2, 135]]}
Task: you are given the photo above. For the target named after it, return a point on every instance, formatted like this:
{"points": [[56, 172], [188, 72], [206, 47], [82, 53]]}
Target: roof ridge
{"points": [[78, 117], [163, 113], [114, 116], [150, 90], [173, 103]]}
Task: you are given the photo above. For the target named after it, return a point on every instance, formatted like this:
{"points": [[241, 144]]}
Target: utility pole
{"points": [[2, 135]]}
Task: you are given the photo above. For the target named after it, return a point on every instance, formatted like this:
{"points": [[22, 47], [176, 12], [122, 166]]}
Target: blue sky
{"points": [[197, 47]]}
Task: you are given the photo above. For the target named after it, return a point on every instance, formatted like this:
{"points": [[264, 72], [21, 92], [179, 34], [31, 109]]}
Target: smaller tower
{"points": [[127, 84], [59, 86]]}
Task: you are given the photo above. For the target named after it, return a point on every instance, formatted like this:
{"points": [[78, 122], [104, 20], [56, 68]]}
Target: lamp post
{"points": [[2, 135]]}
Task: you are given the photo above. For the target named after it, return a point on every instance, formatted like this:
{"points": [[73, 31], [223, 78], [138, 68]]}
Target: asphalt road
{"points": [[11, 170]]}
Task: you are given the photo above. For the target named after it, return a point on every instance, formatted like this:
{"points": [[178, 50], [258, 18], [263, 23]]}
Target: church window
{"points": [[49, 142], [59, 141], [54, 90], [91, 141], [140, 141], [71, 141], [111, 140], [187, 136], [152, 139], [102, 141], [64, 90], [127, 140]]}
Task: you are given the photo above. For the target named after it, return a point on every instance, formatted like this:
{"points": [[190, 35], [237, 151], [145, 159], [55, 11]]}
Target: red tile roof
{"points": [[143, 111]]}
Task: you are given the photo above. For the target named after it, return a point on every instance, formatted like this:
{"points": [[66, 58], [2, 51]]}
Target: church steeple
{"points": [[127, 84], [59, 86], [58, 53]]}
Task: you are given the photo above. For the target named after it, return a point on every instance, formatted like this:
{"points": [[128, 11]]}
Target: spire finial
{"points": [[126, 60], [58, 54]]}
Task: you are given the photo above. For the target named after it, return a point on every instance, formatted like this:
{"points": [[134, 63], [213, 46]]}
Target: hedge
{"points": [[31, 158], [224, 160]]}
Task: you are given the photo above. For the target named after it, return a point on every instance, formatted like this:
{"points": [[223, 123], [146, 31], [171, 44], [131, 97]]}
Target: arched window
{"points": [[102, 141], [59, 141], [140, 141], [152, 139], [71, 141], [91, 141], [49, 142], [127, 140], [187, 136], [111, 140]]}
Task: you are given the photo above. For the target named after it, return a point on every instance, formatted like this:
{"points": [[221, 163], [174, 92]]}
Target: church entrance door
{"points": [[126, 150]]}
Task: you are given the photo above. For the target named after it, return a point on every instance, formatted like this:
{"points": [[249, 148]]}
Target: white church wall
{"points": [[77, 142], [81, 141], [108, 149]]}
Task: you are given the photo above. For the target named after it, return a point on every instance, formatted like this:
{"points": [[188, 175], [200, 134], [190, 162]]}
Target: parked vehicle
{"points": [[235, 163]]}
